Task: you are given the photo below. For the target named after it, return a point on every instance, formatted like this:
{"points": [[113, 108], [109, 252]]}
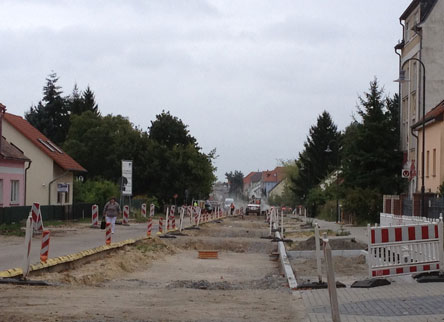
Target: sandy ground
{"points": [[163, 280], [347, 269]]}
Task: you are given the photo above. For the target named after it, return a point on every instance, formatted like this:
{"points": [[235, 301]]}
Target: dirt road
{"points": [[163, 280]]}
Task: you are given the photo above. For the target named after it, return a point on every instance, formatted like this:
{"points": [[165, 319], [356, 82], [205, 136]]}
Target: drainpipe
{"points": [[51, 182], [26, 176]]}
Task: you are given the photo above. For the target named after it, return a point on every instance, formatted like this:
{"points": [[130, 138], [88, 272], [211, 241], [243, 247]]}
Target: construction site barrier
{"points": [[44, 250], [150, 226], [37, 220], [160, 226], [172, 217], [125, 220], [28, 240], [152, 210], [407, 249], [398, 220], [108, 233], [143, 210], [95, 216]]}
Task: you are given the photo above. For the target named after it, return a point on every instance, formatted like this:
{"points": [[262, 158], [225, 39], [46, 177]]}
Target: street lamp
{"points": [[328, 150], [402, 79]]}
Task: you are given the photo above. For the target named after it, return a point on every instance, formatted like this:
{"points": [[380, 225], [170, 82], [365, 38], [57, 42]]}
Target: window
{"points": [[434, 163], [14, 191], [427, 163], [63, 193]]}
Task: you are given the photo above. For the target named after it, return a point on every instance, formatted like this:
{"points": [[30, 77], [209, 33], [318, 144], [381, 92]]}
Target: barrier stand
{"points": [[108, 233], [160, 232], [318, 252], [195, 215], [95, 216], [143, 210], [125, 220], [37, 217], [182, 214], [271, 222], [199, 214], [167, 219], [152, 210], [150, 226], [28, 240], [282, 224], [44, 250], [331, 281], [173, 217]]}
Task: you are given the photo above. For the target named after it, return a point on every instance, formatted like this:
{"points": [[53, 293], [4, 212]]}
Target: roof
{"points": [[43, 143], [11, 152], [426, 8], [435, 114]]}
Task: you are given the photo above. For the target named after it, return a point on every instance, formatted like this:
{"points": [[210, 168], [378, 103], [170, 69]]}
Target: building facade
{"points": [[50, 177], [423, 26]]}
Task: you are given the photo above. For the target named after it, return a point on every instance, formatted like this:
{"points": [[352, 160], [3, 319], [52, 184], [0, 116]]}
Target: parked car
{"points": [[253, 208]]}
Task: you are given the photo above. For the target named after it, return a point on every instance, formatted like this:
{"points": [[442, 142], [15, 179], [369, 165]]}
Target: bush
{"points": [[364, 204], [95, 191]]}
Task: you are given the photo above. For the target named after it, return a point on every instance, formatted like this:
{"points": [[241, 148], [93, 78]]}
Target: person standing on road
{"points": [[232, 208], [111, 211]]}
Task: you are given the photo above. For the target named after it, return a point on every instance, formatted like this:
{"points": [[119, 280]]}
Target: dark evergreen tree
{"points": [[89, 101], [371, 156], [51, 115], [236, 182], [319, 157]]}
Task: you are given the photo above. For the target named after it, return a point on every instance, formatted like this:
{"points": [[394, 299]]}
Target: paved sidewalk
{"points": [[359, 233], [404, 302], [65, 241]]}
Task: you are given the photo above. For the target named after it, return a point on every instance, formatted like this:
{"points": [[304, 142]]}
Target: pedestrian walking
{"points": [[232, 208], [111, 211]]}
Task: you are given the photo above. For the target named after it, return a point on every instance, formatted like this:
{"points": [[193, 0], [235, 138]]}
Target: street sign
{"points": [[405, 173], [127, 173], [62, 187]]}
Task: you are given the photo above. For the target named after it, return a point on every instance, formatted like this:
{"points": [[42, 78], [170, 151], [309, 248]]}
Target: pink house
{"points": [[12, 171]]}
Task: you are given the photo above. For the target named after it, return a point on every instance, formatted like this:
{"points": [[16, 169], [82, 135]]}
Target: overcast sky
{"points": [[248, 77]]}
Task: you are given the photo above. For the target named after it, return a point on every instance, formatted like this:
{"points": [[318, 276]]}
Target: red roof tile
{"points": [[11, 152], [434, 114], [31, 133]]}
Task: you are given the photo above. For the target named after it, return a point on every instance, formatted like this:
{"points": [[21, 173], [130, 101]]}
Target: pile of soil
{"points": [[335, 244], [266, 283], [114, 264]]}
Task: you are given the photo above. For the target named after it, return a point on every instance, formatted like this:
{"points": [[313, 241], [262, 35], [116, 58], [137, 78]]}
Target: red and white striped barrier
{"points": [[150, 226], [28, 240], [401, 250], [125, 220], [108, 233], [172, 217], [143, 210], [160, 226], [152, 210], [182, 215], [95, 216], [167, 219], [44, 250], [37, 217]]}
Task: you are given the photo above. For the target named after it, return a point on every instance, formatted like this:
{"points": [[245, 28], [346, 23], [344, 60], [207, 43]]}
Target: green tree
{"points": [[371, 156], [236, 183], [314, 162], [82, 102], [51, 115], [170, 130]]}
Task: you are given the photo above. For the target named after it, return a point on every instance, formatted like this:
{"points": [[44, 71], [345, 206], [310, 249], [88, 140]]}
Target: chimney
{"points": [[2, 113]]}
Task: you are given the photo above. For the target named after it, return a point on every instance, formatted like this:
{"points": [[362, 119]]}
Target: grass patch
{"points": [[12, 230]]}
